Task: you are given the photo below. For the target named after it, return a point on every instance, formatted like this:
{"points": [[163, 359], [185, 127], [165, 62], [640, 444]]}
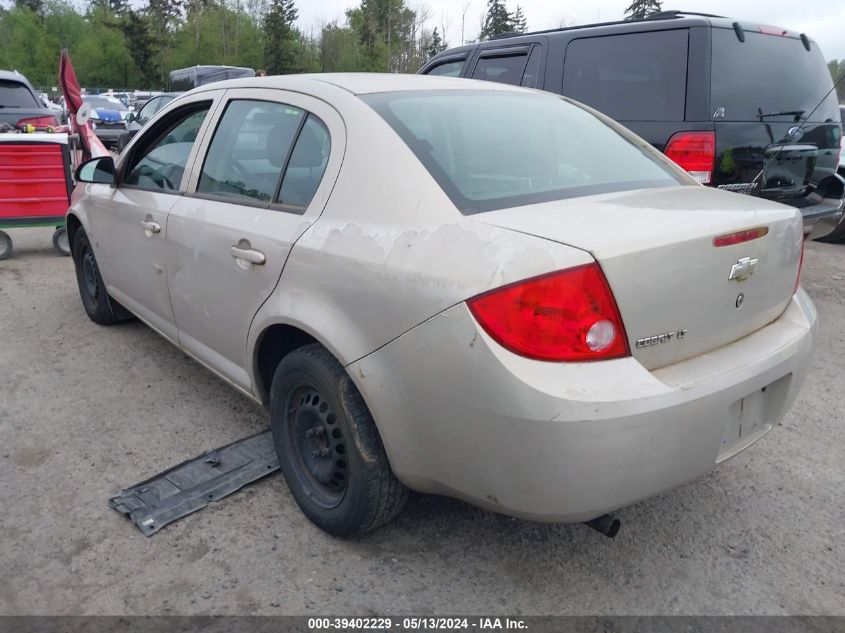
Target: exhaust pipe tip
{"points": [[605, 524]]}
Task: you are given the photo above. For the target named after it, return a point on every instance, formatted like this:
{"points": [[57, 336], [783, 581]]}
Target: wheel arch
{"points": [[73, 224]]}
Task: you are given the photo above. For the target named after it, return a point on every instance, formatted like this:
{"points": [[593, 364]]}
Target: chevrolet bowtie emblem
{"points": [[743, 268]]}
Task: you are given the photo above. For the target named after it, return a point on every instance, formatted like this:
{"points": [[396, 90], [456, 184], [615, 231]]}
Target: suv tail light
{"points": [[800, 266], [569, 315], [695, 152], [38, 122]]}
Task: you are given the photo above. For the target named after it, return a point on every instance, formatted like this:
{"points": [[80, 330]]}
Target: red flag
{"points": [[91, 145]]}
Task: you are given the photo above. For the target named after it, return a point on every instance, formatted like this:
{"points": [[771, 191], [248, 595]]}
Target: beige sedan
{"points": [[452, 286]]}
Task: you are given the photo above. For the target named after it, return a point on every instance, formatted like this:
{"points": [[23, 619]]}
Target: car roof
{"points": [[358, 83], [13, 75]]}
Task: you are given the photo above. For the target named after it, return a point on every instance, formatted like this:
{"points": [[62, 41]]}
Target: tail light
{"points": [[38, 122], [569, 315], [695, 152], [800, 266]]}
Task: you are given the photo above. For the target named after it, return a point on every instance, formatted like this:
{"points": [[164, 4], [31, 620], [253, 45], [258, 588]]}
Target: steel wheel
{"points": [[318, 445], [61, 241]]}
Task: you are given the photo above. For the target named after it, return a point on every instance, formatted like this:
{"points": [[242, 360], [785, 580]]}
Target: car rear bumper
{"points": [[461, 416], [109, 136]]}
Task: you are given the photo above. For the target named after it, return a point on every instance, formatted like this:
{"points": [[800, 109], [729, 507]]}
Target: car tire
{"points": [[61, 241], [5, 246], [99, 306], [328, 446]]}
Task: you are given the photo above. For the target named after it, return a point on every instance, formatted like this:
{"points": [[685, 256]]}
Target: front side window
{"points": [[632, 77], [249, 150], [491, 150], [504, 70], [448, 69], [531, 77], [161, 155]]}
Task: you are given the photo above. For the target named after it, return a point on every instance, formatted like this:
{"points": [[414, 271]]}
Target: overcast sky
{"points": [[822, 20]]}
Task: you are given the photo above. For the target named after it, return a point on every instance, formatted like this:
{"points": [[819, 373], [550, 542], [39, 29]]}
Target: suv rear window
{"points": [[633, 77], [490, 151], [14, 94], [776, 74]]}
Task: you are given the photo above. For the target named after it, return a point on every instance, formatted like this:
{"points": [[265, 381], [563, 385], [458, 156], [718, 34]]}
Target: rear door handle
{"points": [[248, 254], [150, 226]]}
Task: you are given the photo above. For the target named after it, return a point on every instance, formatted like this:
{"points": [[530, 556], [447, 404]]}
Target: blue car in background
{"points": [[109, 118]]}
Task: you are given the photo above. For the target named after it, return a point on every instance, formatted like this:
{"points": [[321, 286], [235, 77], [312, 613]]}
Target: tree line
{"points": [[119, 44]]}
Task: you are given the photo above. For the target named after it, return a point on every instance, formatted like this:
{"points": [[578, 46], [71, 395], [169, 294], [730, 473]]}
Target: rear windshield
{"points": [[768, 74], [491, 150], [14, 94]]}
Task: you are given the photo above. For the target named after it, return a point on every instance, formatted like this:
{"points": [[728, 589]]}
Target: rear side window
{"points": [[504, 70], [490, 151], [249, 149], [14, 94], [775, 74], [632, 77], [306, 166], [531, 78], [448, 69]]}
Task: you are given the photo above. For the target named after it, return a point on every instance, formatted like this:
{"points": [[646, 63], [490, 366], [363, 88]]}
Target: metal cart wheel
{"points": [[5, 245], [61, 242]]}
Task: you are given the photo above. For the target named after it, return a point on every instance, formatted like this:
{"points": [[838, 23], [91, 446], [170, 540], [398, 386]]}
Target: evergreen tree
{"points": [[518, 22], [135, 27], [640, 9], [36, 6], [280, 37], [497, 20], [436, 45]]}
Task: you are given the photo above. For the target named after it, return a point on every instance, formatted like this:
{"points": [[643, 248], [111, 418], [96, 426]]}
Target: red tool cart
{"points": [[35, 186]]}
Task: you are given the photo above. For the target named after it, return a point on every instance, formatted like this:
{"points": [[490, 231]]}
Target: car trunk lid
{"points": [[673, 286]]}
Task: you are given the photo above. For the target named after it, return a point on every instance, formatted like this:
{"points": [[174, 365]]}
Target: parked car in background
{"points": [[21, 106], [189, 78], [136, 120], [454, 286], [736, 104], [109, 118], [838, 234]]}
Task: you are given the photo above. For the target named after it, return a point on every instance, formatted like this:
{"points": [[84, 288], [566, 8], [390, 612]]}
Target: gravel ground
{"points": [[85, 411]]}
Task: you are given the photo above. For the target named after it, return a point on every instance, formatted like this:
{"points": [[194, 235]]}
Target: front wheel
{"points": [[328, 446], [92, 290]]}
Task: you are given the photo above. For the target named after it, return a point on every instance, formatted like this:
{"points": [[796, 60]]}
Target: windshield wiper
{"points": [[795, 113]]}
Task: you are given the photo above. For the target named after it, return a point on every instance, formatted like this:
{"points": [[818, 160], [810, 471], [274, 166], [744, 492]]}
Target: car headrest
{"points": [[308, 151]]}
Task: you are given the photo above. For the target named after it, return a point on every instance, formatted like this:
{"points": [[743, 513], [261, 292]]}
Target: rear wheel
{"points": [[99, 307], [5, 246], [61, 241], [329, 449]]}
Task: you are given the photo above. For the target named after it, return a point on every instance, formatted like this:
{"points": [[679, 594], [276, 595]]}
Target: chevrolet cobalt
{"points": [[450, 286]]}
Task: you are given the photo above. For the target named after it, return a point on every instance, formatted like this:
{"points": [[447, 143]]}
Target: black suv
{"points": [[733, 103]]}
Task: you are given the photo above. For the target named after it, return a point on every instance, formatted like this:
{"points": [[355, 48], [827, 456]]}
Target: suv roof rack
{"points": [[663, 15], [674, 13]]}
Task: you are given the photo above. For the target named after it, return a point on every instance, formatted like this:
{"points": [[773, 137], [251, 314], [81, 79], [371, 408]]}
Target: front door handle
{"points": [[248, 254], [150, 227]]}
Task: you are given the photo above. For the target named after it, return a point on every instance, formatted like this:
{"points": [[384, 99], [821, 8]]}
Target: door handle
{"points": [[248, 254], [150, 226]]}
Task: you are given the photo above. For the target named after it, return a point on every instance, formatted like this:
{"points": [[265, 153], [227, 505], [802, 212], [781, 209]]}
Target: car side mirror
{"points": [[131, 117], [97, 170]]}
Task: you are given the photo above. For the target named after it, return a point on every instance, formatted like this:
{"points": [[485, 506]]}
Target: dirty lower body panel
{"points": [[193, 484]]}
